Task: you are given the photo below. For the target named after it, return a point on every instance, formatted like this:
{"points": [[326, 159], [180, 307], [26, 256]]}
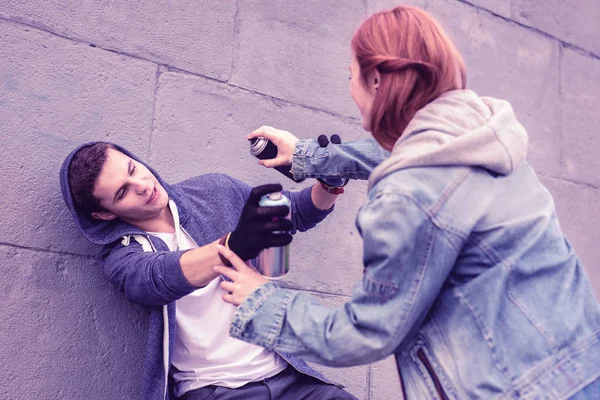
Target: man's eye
{"points": [[132, 169], [121, 194]]}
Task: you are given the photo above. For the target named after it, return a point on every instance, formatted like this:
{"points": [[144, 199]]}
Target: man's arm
{"points": [[197, 264], [146, 278], [322, 199], [159, 277], [308, 206]]}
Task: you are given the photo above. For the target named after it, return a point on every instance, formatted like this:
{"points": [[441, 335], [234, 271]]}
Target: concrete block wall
{"points": [[181, 84]]}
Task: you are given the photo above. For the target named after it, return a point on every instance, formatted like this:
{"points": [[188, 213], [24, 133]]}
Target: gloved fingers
{"points": [[267, 213], [281, 224], [259, 191], [323, 141], [276, 239]]}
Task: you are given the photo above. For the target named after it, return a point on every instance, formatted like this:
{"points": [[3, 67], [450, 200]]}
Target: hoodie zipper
{"points": [[432, 374]]}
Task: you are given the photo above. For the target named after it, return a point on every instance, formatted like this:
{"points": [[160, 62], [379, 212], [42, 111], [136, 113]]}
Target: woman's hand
{"points": [[245, 279], [284, 141]]}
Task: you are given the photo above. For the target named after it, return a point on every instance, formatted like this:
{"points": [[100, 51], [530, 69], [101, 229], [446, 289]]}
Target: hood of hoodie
{"points": [[459, 128], [103, 232]]}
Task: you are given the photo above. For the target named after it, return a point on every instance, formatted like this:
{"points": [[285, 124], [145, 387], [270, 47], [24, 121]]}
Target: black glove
{"points": [[324, 142], [260, 227]]}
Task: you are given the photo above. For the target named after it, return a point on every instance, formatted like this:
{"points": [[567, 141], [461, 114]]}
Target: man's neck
{"points": [[163, 223]]}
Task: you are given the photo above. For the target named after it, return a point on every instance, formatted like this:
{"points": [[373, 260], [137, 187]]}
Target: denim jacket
{"points": [[468, 279]]}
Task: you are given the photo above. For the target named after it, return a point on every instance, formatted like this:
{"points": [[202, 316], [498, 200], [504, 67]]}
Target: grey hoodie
{"points": [[462, 129]]}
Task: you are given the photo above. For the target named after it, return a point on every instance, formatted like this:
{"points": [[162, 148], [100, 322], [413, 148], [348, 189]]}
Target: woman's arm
{"points": [[406, 262], [354, 160]]}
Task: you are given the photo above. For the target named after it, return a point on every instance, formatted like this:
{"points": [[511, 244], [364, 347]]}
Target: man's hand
{"points": [[284, 141], [260, 227], [245, 280]]}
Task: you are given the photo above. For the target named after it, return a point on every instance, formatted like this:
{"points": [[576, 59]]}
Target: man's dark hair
{"points": [[84, 170]]}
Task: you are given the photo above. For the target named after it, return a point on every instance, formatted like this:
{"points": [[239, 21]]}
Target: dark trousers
{"points": [[289, 384]]}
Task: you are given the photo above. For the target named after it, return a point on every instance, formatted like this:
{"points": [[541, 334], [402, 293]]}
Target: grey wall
{"points": [[181, 84]]}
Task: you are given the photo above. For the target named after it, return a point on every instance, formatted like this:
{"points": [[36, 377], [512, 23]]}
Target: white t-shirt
{"points": [[204, 353]]}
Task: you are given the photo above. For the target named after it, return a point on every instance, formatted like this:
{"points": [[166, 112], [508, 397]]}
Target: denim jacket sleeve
{"points": [[406, 260], [355, 159]]}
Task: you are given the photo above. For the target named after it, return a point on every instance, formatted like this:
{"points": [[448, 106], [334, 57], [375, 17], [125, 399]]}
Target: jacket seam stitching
{"points": [[506, 150], [449, 191], [522, 383], [482, 330], [445, 341], [278, 320], [518, 304], [491, 254], [423, 267]]}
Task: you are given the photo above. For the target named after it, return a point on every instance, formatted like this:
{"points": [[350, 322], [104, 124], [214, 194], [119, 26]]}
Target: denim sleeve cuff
{"points": [[301, 165], [268, 303]]}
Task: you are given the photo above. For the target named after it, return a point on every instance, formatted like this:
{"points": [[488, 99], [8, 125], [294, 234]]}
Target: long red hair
{"points": [[417, 63]]}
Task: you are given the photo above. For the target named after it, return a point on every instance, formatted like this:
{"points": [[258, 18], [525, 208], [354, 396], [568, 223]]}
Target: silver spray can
{"points": [[264, 149], [274, 262]]}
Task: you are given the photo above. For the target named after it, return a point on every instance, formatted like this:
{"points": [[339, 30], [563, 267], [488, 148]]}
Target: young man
{"points": [[160, 248]]}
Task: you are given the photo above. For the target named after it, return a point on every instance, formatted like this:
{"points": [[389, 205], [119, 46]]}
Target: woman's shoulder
{"points": [[424, 185]]}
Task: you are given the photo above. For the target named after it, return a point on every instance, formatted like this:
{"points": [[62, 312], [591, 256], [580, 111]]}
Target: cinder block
{"points": [[196, 36], [298, 51], [580, 89], [374, 6], [579, 216], [500, 7], [55, 94], [201, 127], [60, 318], [512, 63], [574, 22]]}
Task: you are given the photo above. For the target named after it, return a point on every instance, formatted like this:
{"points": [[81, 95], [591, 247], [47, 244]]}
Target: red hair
{"points": [[417, 63]]}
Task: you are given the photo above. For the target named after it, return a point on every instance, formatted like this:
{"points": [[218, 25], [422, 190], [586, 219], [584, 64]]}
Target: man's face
{"points": [[128, 190]]}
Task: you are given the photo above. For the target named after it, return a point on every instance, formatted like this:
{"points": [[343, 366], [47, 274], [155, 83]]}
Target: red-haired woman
{"points": [[468, 278]]}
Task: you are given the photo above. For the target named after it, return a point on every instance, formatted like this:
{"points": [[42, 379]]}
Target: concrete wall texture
{"points": [[181, 83]]}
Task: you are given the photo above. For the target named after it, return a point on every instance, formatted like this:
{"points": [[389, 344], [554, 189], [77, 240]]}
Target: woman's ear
{"points": [[375, 80], [103, 215]]}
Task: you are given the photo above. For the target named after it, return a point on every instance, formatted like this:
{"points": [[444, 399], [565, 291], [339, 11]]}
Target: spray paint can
{"points": [[274, 262], [264, 149]]}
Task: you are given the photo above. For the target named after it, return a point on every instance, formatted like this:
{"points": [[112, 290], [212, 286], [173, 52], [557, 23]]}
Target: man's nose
{"points": [[141, 186]]}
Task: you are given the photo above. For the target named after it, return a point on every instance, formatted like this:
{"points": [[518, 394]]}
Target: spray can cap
{"points": [[275, 196]]}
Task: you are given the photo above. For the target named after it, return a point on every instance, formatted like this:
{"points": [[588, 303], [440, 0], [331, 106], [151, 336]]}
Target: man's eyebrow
{"points": [[129, 166]]}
